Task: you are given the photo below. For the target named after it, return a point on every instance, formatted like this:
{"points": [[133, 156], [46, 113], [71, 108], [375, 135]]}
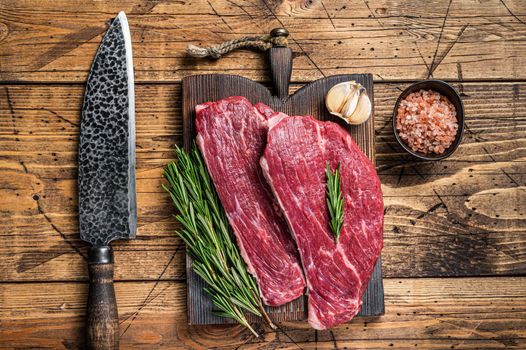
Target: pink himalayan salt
{"points": [[427, 122]]}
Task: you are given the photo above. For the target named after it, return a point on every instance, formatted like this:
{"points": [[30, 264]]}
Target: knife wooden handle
{"points": [[103, 320]]}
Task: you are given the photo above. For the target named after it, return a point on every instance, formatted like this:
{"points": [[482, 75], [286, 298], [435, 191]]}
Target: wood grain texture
{"points": [[56, 41], [433, 313], [102, 320], [459, 217], [280, 62], [102, 329], [463, 216]]}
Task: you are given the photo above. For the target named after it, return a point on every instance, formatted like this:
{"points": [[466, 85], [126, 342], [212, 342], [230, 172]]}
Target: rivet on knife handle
{"points": [[102, 318]]}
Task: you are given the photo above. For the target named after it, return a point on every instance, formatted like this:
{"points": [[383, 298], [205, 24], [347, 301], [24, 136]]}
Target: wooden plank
{"points": [[56, 41], [471, 200], [482, 313], [485, 178]]}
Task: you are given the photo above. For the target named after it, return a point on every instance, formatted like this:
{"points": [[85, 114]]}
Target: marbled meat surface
{"points": [[231, 134], [337, 273]]}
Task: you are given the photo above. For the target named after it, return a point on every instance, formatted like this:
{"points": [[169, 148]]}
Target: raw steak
{"points": [[231, 134], [294, 161]]}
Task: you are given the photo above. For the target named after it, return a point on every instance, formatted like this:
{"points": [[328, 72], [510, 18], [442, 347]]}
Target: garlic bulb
{"points": [[349, 101]]}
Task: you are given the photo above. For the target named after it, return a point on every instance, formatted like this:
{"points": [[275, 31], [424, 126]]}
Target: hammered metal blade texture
{"points": [[107, 199]]}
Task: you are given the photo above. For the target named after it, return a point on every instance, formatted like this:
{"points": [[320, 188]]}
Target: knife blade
{"points": [[106, 180]]}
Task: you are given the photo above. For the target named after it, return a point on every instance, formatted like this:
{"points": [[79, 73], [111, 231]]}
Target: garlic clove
{"points": [[349, 101], [362, 111], [351, 104], [337, 97]]}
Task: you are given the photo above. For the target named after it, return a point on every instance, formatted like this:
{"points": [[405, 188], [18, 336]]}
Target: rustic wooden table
{"points": [[455, 232]]}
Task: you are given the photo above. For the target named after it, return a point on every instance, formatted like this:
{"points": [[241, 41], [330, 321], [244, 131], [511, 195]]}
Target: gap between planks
{"points": [[182, 279], [495, 81]]}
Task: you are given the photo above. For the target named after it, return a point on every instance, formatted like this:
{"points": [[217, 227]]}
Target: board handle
{"points": [[280, 58], [103, 321]]}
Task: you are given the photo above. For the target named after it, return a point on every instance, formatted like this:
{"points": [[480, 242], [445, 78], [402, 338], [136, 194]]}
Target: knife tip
{"points": [[122, 15]]}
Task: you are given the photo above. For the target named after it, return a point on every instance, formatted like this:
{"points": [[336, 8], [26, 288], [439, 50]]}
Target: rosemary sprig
{"points": [[334, 200], [208, 237]]}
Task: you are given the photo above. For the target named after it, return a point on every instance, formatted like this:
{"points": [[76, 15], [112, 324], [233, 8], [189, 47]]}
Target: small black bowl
{"points": [[446, 90]]}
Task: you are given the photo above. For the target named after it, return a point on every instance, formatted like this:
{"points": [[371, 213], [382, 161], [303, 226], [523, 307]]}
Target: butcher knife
{"points": [[107, 199]]}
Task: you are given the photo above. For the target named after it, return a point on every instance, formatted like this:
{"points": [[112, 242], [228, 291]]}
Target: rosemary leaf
{"points": [[209, 240], [334, 200]]}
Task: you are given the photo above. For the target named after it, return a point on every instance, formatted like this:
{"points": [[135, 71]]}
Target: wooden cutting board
{"points": [[309, 100]]}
